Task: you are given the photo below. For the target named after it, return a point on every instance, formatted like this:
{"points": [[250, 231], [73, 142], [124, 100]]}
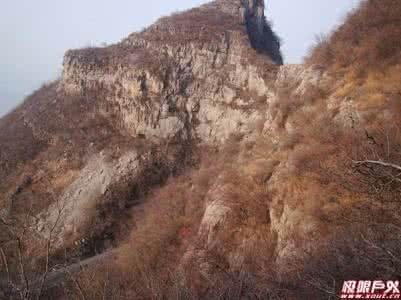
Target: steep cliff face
{"points": [[193, 74]]}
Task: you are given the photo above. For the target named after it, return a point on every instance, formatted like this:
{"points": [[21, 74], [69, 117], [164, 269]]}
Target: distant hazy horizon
{"points": [[35, 34]]}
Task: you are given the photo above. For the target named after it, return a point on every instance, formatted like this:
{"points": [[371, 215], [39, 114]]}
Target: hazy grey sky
{"points": [[34, 34]]}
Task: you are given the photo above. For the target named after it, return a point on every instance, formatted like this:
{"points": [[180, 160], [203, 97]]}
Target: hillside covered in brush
{"points": [[188, 162]]}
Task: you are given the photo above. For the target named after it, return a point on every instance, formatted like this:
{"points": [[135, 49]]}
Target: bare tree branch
{"points": [[378, 163], [48, 249], [5, 263], [24, 278], [78, 285]]}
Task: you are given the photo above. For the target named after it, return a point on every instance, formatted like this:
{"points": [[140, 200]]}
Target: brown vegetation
{"points": [[344, 175], [368, 39], [363, 55]]}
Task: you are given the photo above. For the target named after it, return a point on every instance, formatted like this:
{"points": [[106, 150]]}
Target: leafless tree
{"points": [[16, 235]]}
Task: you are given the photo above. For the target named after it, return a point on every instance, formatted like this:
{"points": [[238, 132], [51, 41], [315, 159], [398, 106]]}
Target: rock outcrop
{"points": [[199, 74]]}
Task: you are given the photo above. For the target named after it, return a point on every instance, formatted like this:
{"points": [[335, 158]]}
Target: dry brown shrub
{"points": [[170, 215], [369, 38], [363, 250]]}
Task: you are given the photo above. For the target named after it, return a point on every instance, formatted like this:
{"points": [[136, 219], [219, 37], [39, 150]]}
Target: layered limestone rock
{"points": [[200, 83]]}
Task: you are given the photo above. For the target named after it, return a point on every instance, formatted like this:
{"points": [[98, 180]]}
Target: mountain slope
{"points": [[214, 170], [79, 153]]}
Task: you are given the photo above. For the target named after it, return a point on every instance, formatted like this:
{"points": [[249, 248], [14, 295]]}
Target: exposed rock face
{"points": [[216, 212], [200, 100], [192, 74], [89, 190]]}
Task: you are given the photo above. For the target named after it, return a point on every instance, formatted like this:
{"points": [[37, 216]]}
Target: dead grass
{"points": [[368, 39], [364, 55], [167, 227]]}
